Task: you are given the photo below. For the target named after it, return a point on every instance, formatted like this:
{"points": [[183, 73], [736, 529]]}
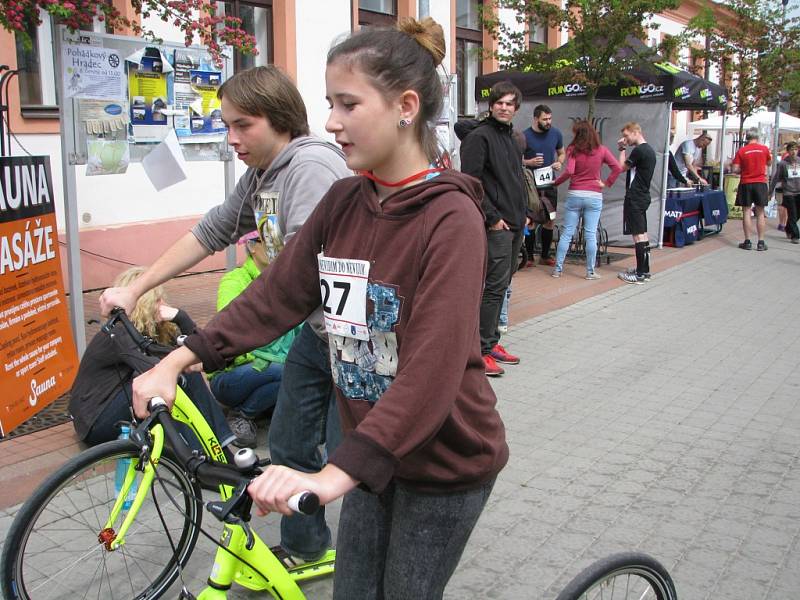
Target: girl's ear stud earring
{"points": [[403, 123]]}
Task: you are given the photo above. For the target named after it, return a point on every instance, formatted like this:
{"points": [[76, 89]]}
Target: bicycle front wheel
{"points": [[53, 551], [622, 576]]}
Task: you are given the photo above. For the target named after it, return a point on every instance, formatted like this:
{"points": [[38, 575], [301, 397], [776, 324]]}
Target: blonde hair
{"points": [[145, 314], [632, 126]]}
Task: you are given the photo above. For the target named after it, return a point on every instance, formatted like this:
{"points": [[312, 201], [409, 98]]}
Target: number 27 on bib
{"points": [[343, 285]]}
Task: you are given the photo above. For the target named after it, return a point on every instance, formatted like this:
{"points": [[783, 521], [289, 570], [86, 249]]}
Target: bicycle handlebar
{"points": [[213, 474], [208, 473]]}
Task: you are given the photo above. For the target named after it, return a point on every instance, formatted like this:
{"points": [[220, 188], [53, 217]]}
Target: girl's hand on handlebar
{"points": [[272, 489]]}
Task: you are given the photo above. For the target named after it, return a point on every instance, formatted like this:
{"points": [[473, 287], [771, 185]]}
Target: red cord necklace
{"points": [[402, 182]]}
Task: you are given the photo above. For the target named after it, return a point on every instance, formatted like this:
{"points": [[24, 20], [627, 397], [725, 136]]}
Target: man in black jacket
{"points": [[489, 153]]}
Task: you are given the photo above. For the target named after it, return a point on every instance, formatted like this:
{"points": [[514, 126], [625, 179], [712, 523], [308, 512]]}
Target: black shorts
{"points": [[634, 216], [750, 194], [551, 193]]}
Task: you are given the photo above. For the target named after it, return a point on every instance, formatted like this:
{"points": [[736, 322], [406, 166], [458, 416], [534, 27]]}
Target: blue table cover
{"points": [[684, 211]]}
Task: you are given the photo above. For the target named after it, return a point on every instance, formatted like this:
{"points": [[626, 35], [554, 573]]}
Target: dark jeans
{"points": [[792, 204], [305, 418], [118, 409], [402, 544], [251, 392], [501, 264]]}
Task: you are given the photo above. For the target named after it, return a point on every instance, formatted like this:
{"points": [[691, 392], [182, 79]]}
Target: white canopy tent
{"points": [[786, 122]]}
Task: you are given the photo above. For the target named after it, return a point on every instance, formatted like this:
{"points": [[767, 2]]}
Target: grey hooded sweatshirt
{"points": [[290, 189]]}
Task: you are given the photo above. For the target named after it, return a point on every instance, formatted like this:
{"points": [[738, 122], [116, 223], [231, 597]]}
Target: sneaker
{"points": [[500, 355], [291, 562], [502, 328], [645, 275], [592, 276], [746, 245], [795, 241], [550, 261], [631, 277], [529, 264], [244, 429], [761, 246], [556, 273], [781, 228], [492, 368]]}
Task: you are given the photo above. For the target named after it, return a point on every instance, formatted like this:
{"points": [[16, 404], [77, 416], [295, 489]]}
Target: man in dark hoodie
{"points": [[489, 153]]}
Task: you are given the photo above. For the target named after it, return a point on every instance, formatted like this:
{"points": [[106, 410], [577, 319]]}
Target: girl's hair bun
{"points": [[428, 34]]}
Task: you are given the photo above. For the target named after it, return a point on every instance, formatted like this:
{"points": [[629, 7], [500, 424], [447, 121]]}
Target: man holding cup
{"points": [[544, 154]]}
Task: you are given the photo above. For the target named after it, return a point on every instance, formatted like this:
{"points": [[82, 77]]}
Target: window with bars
{"points": [[469, 46], [373, 13], [256, 16], [36, 66]]}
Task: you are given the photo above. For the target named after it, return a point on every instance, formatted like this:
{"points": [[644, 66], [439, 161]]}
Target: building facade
{"points": [[118, 212]]}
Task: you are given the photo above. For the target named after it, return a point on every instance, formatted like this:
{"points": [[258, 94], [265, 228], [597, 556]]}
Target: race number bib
{"points": [[343, 285], [793, 171], [543, 177]]}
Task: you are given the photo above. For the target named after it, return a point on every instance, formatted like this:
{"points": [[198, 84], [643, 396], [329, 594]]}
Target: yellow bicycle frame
{"points": [[280, 582]]}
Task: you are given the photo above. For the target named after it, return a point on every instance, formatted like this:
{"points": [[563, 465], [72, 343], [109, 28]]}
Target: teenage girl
{"points": [[393, 255]]}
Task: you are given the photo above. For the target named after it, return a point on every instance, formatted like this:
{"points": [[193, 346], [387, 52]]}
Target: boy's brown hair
{"points": [[267, 92]]}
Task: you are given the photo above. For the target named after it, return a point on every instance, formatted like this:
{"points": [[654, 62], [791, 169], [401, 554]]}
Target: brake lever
{"points": [[235, 511]]}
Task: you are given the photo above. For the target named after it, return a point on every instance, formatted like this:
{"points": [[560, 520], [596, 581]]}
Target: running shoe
{"points": [[631, 278], [492, 368], [500, 355]]}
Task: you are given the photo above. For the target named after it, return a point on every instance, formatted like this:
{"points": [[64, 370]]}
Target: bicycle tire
{"points": [[52, 549], [622, 576]]}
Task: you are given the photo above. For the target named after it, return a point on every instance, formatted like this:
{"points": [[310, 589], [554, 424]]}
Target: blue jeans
{"points": [[401, 543], [249, 391], [504, 308], [586, 204], [305, 418]]}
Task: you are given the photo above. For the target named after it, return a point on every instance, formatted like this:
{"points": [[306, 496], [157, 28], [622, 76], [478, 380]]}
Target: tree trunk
{"points": [[591, 94]]}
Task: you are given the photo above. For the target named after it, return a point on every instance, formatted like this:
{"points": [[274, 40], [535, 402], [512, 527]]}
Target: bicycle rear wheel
{"points": [[52, 549], [623, 576]]}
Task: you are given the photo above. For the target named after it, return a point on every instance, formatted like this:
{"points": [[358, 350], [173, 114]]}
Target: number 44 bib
{"points": [[343, 285], [543, 176]]}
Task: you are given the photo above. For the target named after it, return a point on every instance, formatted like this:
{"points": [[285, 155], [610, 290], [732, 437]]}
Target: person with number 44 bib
{"points": [[544, 156], [788, 174], [394, 257]]}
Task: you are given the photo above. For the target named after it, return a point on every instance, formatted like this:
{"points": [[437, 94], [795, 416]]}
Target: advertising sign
{"points": [[36, 344], [92, 72]]}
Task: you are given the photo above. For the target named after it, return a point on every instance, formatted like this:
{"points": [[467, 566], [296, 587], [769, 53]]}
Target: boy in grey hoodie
{"points": [[289, 172]]}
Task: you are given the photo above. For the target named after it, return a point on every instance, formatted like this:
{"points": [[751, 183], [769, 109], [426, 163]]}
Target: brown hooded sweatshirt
{"points": [[414, 400]]}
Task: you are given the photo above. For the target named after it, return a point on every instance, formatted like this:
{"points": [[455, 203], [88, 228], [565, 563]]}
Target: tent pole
{"points": [[722, 153], [665, 170]]}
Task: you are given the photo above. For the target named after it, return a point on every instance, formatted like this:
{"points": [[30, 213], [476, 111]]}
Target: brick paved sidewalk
{"points": [[661, 417]]}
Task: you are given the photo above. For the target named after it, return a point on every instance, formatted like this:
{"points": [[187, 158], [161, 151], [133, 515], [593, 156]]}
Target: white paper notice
{"points": [[92, 72], [165, 165]]}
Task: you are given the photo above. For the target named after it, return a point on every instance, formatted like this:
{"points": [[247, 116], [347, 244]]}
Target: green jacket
{"points": [[231, 285]]}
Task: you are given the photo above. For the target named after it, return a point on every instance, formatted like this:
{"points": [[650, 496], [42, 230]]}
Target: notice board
{"points": [[36, 342]]}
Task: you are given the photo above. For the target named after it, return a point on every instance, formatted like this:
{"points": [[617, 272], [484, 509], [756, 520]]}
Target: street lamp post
{"points": [[776, 134]]}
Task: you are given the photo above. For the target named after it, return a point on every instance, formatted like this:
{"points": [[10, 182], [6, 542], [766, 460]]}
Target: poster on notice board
{"points": [[37, 347]]}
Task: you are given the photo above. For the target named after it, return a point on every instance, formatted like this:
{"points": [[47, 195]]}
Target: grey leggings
{"points": [[402, 543]]}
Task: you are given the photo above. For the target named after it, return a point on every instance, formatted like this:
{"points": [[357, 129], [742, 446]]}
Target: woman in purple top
{"points": [[585, 159]]}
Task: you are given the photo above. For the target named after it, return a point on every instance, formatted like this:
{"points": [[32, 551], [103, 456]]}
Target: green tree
{"points": [[197, 19], [600, 51], [757, 46]]}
